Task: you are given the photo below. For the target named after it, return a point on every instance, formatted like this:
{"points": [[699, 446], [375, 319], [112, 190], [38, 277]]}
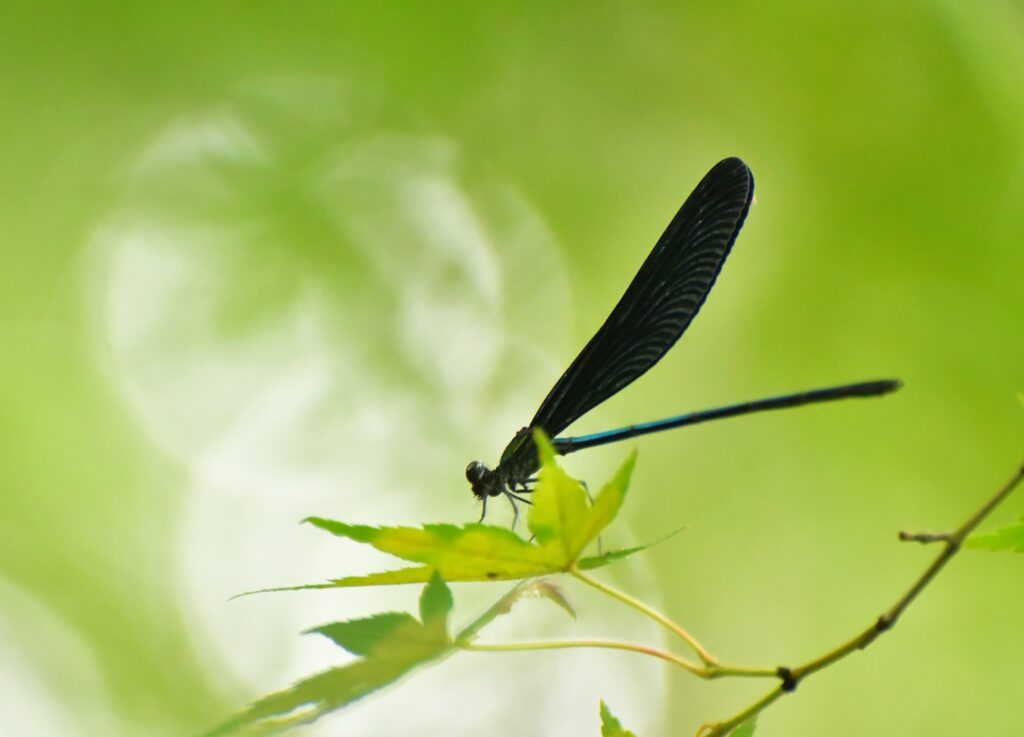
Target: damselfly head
{"points": [[480, 477]]}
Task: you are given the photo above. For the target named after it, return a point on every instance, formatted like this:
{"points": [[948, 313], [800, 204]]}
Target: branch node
{"points": [[884, 622], [789, 681], [925, 537]]}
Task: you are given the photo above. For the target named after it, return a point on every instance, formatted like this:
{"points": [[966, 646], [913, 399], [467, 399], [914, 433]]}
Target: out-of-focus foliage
{"points": [[745, 730], [1009, 538], [390, 644], [267, 262]]}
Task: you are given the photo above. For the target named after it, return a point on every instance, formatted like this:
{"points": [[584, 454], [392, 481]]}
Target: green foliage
{"points": [[610, 726], [381, 634], [361, 636], [563, 522], [474, 552], [745, 730], [1009, 538], [391, 644], [597, 561], [561, 518], [436, 603]]}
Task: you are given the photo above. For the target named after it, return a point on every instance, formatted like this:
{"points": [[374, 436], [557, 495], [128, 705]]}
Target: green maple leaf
{"points": [[365, 636], [1009, 538], [391, 645], [745, 730], [610, 726], [562, 519]]}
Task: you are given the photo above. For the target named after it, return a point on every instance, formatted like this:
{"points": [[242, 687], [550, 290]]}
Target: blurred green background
{"points": [[269, 260]]}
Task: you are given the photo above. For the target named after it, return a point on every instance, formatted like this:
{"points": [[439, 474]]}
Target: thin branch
{"points": [[924, 537], [791, 677]]}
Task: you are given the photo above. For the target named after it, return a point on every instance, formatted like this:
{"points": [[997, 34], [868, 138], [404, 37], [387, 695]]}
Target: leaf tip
{"points": [[545, 449], [436, 601], [626, 469], [610, 725]]}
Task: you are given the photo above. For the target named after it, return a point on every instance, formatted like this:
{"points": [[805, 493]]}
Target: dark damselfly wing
{"points": [[661, 301]]}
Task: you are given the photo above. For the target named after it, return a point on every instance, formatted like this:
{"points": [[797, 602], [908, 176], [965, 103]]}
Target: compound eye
{"points": [[475, 472]]}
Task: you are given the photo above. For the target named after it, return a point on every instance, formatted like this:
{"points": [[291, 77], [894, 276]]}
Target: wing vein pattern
{"points": [[660, 302]]}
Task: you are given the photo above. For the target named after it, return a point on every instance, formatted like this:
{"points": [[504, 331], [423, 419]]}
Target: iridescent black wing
{"points": [[661, 301]]}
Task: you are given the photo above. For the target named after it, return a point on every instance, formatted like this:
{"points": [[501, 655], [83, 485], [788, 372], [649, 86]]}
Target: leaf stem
{"points": [[603, 644], [720, 670], [657, 616], [708, 672], [501, 606]]}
